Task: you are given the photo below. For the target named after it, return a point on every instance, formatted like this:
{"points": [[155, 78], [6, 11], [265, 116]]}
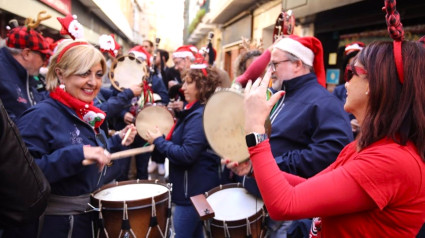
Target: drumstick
{"points": [[123, 154], [126, 136]]}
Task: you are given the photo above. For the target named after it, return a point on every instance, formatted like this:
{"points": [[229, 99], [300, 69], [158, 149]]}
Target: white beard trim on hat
{"points": [[76, 29], [296, 48], [106, 42]]}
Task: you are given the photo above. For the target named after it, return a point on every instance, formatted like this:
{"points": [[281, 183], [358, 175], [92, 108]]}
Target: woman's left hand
{"points": [[256, 106], [151, 135], [128, 134]]}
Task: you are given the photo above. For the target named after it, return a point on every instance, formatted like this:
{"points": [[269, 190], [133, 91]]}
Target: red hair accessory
{"points": [[107, 43], [395, 28], [200, 63], [69, 46], [71, 27]]}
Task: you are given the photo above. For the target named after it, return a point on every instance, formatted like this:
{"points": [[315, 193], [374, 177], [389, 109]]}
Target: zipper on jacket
{"points": [[29, 93], [186, 181]]}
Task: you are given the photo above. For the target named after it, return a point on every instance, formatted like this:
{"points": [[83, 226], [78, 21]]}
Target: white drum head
{"points": [[234, 204], [130, 192], [127, 71], [224, 123], [150, 117]]}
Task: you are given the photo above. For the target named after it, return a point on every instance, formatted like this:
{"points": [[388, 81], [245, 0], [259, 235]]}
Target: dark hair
{"points": [[164, 53], [150, 42], [395, 110], [206, 85], [243, 58]]}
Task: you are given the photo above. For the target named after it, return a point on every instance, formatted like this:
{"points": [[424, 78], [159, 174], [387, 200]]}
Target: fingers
{"points": [[248, 87], [275, 98]]}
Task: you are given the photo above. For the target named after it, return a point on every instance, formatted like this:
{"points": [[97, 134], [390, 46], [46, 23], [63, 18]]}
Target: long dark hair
{"points": [[395, 110]]}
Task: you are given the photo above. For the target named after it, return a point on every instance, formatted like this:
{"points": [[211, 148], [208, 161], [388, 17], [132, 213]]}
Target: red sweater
{"points": [[378, 192]]}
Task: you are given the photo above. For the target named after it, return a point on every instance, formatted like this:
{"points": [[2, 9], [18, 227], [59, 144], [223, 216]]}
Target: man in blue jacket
{"points": [[309, 125], [22, 57]]}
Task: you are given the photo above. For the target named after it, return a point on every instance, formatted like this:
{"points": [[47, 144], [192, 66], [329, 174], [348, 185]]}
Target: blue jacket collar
{"points": [[299, 82], [14, 64]]}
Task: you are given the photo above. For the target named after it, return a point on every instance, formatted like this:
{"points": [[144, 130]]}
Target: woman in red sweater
{"points": [[376, 187]]}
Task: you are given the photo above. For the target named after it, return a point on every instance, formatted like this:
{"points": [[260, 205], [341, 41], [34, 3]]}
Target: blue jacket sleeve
{"points": [[193, 142], [114, 105], [332, 131], [159, 88]]}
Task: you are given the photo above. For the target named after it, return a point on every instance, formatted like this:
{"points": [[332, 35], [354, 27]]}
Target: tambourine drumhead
{"points": [[150, 117], [224, 123], [130, 192], [127, 71], [234, 204]]}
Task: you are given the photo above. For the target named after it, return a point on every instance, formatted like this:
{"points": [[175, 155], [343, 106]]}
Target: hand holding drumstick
{"points": [[127, 134]]}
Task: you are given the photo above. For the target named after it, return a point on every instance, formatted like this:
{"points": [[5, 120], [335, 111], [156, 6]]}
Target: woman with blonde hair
{"points": [[63, 131]]}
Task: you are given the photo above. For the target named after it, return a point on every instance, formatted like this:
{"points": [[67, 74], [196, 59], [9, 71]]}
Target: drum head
{"points": [[152, 116], [224, 123], [129, 192], [232, 204], [127, 71]]}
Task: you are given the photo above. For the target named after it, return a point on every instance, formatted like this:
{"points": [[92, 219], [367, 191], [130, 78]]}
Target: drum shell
{"points": [[139, 212], [237, 228]]}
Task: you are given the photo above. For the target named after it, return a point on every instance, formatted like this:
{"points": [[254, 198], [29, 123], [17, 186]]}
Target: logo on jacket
{"points": [[21, 98], [75, 136]]}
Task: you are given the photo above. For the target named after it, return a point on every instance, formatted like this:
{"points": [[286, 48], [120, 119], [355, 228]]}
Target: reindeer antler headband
{"points": [[395, 28]]}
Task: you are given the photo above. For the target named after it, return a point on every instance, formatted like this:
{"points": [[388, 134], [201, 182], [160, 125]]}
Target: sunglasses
{"points": [[352, 70]]}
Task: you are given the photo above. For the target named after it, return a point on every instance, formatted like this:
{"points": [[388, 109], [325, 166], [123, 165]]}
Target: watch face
{"points": [[250, 140]]}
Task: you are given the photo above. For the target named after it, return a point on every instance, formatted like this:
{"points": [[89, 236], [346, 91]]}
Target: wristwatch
{"points": [[254, 138]]}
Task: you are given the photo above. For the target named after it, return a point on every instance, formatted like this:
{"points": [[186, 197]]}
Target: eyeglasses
{"points": [[273, 64], [352, 70]]}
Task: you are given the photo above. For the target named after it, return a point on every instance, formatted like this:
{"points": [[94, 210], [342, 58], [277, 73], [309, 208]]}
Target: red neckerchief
{"points": [[187, 107], [85, 111]]}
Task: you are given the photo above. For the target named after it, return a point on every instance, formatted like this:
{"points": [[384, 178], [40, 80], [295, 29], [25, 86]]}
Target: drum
{"points": [[224, 122], [127, 71], [237, 213], [153, 115], [141, 208]]}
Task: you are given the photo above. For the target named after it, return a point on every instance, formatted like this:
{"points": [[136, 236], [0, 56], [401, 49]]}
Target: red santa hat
{"points": [[355, 46], [185, 51], [200, 63], [140, 52], [108, 44], [71, 27], [309, 50]]}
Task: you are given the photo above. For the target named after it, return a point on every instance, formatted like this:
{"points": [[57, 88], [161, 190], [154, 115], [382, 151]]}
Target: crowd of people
{"points": [[341, 164]]}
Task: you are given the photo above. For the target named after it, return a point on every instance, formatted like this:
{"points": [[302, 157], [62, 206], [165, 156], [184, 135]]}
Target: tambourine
{"points": [[224, 125], [285, 24], [127, 71], [154, 115]]}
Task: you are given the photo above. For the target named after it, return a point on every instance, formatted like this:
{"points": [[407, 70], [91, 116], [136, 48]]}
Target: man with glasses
{"points": [[309, 125], [21, 59]]}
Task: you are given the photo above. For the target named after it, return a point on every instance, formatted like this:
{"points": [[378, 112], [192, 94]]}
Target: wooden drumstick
{"points": [[123, 154], [126, 136]]}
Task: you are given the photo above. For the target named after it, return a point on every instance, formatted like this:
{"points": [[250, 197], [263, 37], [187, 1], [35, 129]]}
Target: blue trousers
{"points": [[187, 222]]}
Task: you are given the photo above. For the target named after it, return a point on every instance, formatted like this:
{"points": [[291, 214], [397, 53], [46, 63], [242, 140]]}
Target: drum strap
{"points": [[125, 225], [67, 205]]}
